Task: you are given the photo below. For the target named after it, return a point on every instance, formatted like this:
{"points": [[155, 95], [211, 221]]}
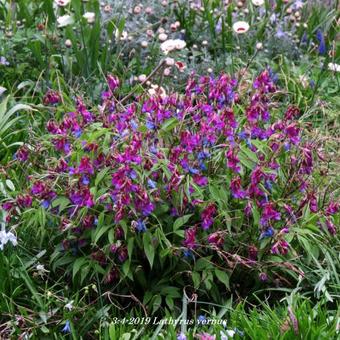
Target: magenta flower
{"points": [[236, 188], [207, 216], [190, 238], [269, 214], [113, 82], [85, 166], [233, 161], [216, 239]]}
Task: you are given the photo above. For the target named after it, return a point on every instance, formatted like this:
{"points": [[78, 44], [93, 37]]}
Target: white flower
{"points": [[172, 44], [240, 27], [169, 61], [62, 3], [2, 90], [156, 90], [334, 67], [41, 269], [304, 81], [142, 78], [90, 17], [229, 334], [259, 46], [65, 20], [6, 237], [69, 305], [163, 37], [68, 43], [257, 2], [121, 35]]}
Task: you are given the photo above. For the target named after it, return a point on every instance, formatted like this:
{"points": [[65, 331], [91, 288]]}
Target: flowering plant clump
{"points": [[192, 186]]}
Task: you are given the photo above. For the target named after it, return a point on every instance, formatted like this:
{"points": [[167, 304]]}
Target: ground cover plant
{"points": [[169, 169]]}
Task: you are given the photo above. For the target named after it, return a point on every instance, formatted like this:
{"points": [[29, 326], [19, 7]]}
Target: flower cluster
{"points": [[206, 157]]}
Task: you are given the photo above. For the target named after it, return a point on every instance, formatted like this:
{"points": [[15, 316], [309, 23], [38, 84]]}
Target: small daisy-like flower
{"points": [[172, 44], [62, 3], [257, 2], [41, 269], [90, 17], [334, 67], [65, 20], [241, 27]]}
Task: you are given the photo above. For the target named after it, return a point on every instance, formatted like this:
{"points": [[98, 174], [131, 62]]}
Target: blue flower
{"points": [[134, 125], [152, 184], [188, 254], [201, 319], [45, 204], [133, 174], [150, 125], [269, 185], [181, 336], [287, 146], [77, 133], [193, 171], [322, 43], [85, 180], [67, 327], [141, 226], [268, 233]]}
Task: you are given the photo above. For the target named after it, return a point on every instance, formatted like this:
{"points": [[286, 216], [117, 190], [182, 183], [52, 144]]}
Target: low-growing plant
{"points": [[166, 191]]}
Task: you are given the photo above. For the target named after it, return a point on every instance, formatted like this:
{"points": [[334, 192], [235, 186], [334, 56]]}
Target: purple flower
{"points": [[263, 277], [233, 161], [3, 61], [85, 166], [269, 214], [113, 82], [236, 188], [38, 188]]}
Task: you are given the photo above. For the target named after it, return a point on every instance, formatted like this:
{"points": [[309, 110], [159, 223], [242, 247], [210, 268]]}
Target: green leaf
{"points": [[148, 247], [77, 265], [62, 202], [100, 232], [100, 176], [203, 263], [170, 124], [181, 221], [223, 277], [196, 279]]}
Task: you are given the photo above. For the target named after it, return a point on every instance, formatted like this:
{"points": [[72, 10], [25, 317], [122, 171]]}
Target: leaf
{"points": [[156, 303], [100, 176], [62, 202], [223, 277], [77, 265], [170, 124], [203, 263], [100, 232], [181, 221], [148, 247], [10, 184], [196, 279]]}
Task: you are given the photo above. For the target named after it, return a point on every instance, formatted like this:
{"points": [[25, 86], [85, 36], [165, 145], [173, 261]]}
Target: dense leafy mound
{"points": [[173, 190]]}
